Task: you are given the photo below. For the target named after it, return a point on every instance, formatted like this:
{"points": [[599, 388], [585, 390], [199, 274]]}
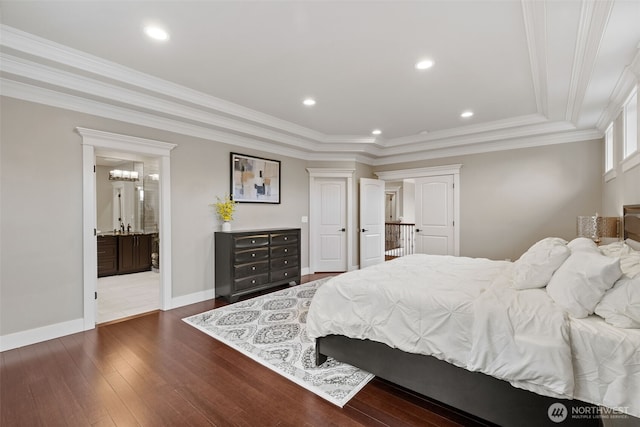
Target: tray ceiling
{"points": [[532, 72]]}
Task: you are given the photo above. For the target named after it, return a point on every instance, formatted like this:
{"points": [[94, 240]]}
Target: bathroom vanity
{"points": [[124, 253]]}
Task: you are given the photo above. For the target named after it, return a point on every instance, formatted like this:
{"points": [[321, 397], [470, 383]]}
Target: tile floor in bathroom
{"points": [[127, 295]]}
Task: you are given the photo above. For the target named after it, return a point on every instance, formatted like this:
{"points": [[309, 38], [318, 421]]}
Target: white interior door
{"points": [[331, 211], [435, 215], [372, 208]]}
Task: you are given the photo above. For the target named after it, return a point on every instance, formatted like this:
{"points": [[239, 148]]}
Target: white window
{"points": [[631, 124], [608, 149]]}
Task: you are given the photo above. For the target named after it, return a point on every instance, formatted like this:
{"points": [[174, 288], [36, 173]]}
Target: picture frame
{"points": [[254, 179]]}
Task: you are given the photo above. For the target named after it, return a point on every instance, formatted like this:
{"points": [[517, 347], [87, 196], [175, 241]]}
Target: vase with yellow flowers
{"points": [[224, 208]]}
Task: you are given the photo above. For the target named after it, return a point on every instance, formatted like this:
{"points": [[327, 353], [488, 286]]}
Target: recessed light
{"points": [[309, 102], [156, 33], [466, 114], [376, 132], [424, 64]]}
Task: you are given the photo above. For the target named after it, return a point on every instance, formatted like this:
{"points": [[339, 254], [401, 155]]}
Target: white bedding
{"points": [[606, 364], [464, 311]]}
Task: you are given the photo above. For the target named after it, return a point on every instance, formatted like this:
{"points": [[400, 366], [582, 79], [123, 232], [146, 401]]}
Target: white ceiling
{"points": [[534, 72]]}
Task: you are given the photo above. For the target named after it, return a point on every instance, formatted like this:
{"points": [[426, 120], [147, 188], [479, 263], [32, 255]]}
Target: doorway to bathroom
{"points": [[127, 206], [96, 144]]}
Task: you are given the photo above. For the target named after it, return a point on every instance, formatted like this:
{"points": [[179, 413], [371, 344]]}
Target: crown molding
{"points": [[535, 23], [395, 175], [373, 156], [58, 53], [594, 16], [65, 101], [625, 84], [497, 125], [529, 142], [139, 101], [76, 81]]}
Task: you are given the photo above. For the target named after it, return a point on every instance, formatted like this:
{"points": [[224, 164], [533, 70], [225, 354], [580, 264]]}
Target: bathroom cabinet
{"points": [[134, 253], [107, 255], [124, 254]]}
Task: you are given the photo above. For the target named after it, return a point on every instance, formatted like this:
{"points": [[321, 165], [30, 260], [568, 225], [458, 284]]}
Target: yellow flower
{"points": [[225, 207]]}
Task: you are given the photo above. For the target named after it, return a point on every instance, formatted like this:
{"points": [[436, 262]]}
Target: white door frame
{"points": [[92, 139], [434, 171], [314, 175]]}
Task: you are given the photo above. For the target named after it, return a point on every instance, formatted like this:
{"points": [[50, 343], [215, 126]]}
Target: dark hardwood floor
{"points": [[156, 370]]}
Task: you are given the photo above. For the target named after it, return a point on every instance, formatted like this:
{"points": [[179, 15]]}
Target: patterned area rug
{"points": [[271, 329]]}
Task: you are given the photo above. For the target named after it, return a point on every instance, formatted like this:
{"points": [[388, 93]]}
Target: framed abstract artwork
{"points": [[254, 179]]}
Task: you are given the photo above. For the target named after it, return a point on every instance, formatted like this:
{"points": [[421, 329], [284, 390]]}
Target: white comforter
{"points": [[457, 309]]}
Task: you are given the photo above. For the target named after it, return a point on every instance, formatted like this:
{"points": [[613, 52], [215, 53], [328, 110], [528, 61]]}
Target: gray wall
{"points": [[41, 210], [510, 199]]}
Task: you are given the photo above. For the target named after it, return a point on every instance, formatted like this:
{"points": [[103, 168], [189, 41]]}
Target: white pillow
{"points": [[579, 284], [633, 244], [535, 267], [620, 306], [582, 243]]}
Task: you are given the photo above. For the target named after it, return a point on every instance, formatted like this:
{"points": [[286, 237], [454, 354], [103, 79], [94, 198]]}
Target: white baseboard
{"points": [[192, 298], [45, 333], [304, 271]]}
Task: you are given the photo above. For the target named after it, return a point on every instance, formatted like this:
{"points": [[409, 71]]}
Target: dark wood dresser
{"points": [[250, 261]]}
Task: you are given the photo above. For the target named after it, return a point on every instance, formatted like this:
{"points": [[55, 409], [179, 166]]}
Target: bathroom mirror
{"points": [[120, 198]]}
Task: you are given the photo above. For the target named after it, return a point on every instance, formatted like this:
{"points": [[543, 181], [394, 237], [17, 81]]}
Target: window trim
{"points": [[633, 96]]}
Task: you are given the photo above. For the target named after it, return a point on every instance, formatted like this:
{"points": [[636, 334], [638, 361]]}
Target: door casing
{"points": [[95, 139], [316, 175], [454, 170]]}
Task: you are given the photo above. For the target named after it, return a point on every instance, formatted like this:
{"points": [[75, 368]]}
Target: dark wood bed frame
{"points": [[474, 393]]}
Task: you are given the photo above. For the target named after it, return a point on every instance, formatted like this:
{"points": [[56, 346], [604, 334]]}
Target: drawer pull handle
{"points": [[286, 250], [253, 241], [286, 262], [253, 268], [286, 274], [253, 255], [253, 281], [286, 238]]}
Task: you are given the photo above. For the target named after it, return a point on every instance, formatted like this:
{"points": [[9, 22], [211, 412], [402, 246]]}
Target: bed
{"points": [[421, 322]]}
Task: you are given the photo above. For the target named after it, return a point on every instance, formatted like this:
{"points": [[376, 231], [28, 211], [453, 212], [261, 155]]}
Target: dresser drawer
{"points": [[243, 257], [252, 269], [284, 238], [251, 282], [252, 241], [284, 262], [289, 273], [279, 251]]}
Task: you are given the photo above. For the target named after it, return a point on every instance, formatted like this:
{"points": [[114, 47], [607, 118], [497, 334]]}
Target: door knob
{"points": [[417, 230], [364, 229], [343, 230]]}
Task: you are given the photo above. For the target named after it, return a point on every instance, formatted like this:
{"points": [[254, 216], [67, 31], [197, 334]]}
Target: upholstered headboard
{"points": [[631, 222]]}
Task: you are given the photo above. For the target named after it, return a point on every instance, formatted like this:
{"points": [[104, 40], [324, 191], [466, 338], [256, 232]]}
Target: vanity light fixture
{"points": [[309, 102], [156, 33], [122, 175], [376, 132], [466, 114], [424, 64]]}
